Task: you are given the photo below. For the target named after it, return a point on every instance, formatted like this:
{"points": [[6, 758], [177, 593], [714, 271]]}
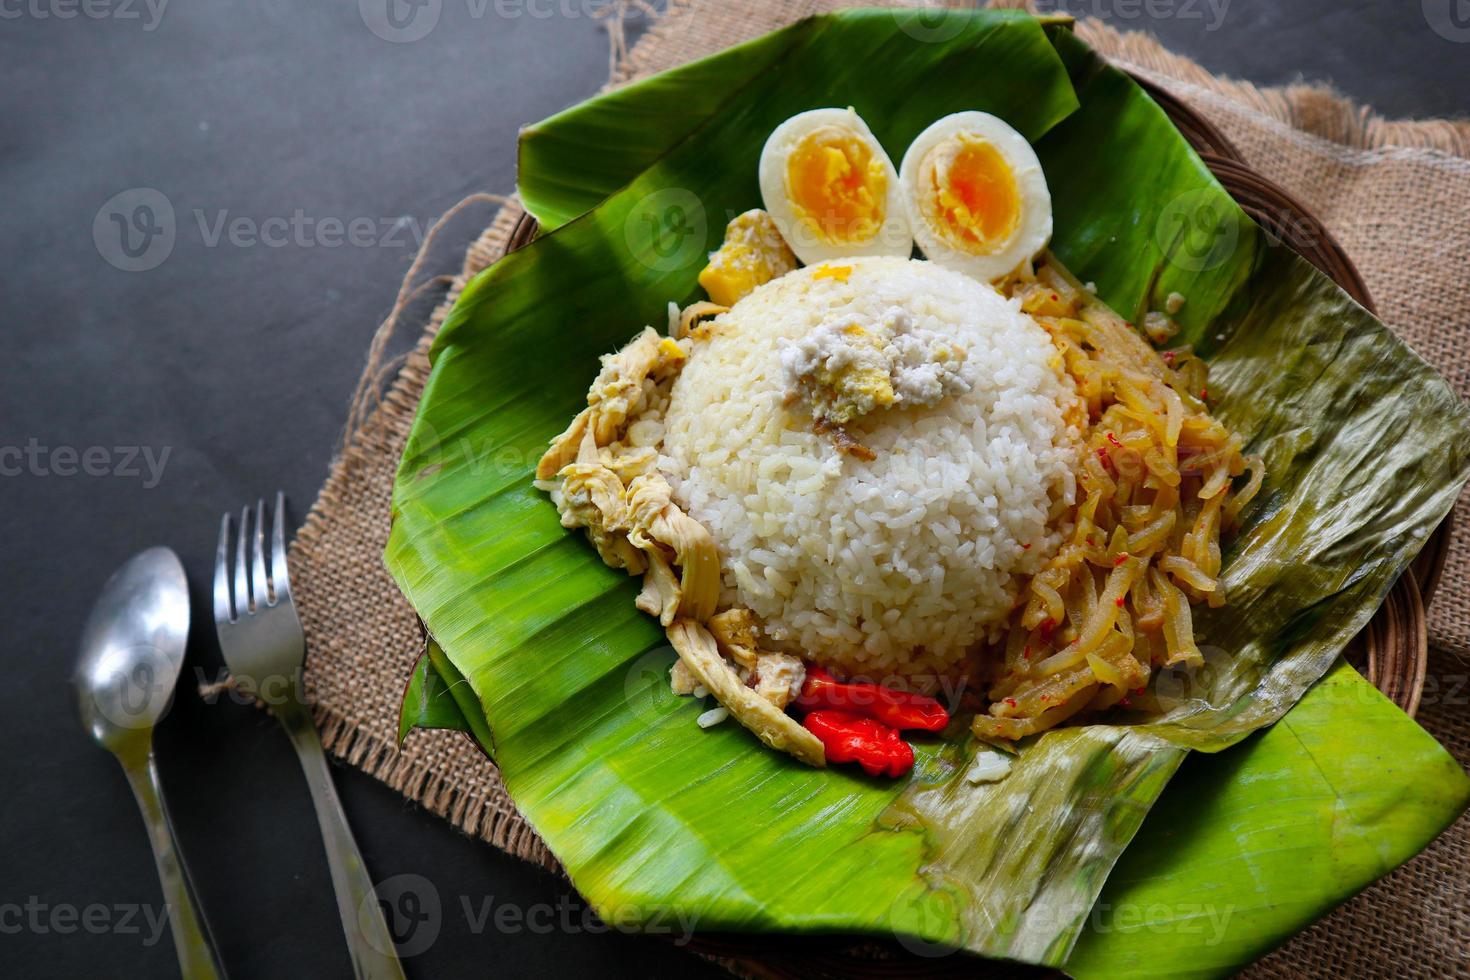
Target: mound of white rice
{"points": [[901, 565]]}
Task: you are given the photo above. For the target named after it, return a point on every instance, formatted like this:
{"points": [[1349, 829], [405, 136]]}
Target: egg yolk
{"points": [[838, 187], [974, 202]]}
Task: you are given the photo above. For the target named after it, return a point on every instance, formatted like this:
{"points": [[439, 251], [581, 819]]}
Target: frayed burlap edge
{"points": [[1316, 109]]}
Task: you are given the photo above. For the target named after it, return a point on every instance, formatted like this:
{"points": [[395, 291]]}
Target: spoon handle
{"points": [[198, 957], [374, 956]]}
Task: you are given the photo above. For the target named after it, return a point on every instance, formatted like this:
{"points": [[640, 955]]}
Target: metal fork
{"points": [[264, 647]]}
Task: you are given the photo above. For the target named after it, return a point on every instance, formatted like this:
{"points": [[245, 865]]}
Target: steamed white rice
{"points": [[902, 565]]}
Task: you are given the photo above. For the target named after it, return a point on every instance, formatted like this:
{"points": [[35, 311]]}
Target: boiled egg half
{"points": [[832, 189], [976, 197]]}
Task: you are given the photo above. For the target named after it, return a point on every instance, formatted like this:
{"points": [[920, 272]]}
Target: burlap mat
{"points": [[1395, 194]]}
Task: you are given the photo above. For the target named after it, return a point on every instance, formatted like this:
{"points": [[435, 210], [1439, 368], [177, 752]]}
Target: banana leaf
{"points": [[1280, 829], [1366, 446], [427, 702], [1250, 845], [438, 697]]}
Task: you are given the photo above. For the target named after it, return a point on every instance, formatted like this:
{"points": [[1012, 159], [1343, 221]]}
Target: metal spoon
{"points": [[131, 653]]}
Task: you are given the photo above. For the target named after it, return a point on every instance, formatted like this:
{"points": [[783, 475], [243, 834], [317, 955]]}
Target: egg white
{"points": [[892, 237], [1034, 225]]}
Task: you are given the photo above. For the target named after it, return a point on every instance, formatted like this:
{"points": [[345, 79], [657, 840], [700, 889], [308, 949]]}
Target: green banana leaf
{"points": [[1250, 845], [427, 702], [1366, 447], [1280, 829], [438, 697]]}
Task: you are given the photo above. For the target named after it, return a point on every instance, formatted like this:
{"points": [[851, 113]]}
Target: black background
{"points": [[238, 361]]}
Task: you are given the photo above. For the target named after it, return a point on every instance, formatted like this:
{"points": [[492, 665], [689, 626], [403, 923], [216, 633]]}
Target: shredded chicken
{"points": [[603, 476], [592, 498], [662, 530], [778, 676], [660, 595], [736, 631], [691, 315], [564, 448], [618, 391], [681, 681], [701, 655], [617, 395], [593, 467], [629, 463]]}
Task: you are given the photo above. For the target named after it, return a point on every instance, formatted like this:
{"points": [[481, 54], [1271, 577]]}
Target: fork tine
{"points": [[280, 577], [224, 611], [259, 592], [242, 583]]}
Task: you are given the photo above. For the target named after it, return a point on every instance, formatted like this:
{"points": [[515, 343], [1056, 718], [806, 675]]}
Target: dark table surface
{"points": [[222, 373]]}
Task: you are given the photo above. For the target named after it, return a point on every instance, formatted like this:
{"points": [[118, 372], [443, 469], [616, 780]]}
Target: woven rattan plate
{"points": [[1392, 652]]}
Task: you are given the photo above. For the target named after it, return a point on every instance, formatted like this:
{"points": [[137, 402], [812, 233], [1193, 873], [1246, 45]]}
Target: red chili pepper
{"points": [[1114, 440], [897, 709], [1120, 560], [1047, 628], [1118, 602], [852, 738]]}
